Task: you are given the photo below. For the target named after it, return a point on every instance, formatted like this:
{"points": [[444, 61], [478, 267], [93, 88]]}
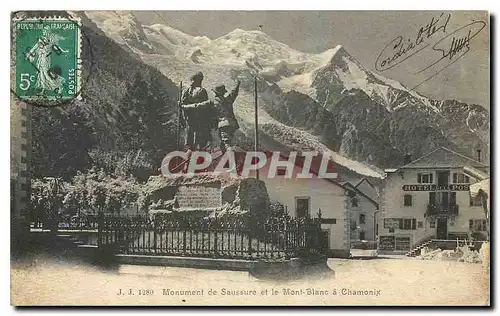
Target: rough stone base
{"points": [[186, 262], [339, 253], [294, 268]]}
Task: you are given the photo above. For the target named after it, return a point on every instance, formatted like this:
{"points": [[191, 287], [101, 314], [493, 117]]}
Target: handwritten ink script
{"points": [[446, 46]]}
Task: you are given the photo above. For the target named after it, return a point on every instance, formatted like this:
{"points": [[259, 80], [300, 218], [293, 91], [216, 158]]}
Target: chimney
{"points": [[479, 155], [407, 159]]}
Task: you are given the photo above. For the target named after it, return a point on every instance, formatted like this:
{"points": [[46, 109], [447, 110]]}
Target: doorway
{"points": [[442, 228], [324, 240], [302, 206]]}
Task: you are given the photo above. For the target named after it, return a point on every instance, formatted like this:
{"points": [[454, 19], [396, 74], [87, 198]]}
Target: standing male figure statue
{"points": [[200, 119], [227, 123]]}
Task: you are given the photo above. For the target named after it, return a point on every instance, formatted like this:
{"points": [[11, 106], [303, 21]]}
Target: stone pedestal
{"points": [[214, 194]]}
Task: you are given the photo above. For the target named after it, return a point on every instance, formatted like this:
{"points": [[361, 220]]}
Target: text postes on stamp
{"points": [[47, 60]]}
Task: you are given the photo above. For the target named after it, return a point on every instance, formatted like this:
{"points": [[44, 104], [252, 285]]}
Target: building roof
{"points": [[390, 170], [443, 158], [365, 180], [349, 186], [475, 173]]}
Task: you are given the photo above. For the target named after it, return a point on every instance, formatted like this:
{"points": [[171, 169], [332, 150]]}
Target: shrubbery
{"points": [[87, 193]]}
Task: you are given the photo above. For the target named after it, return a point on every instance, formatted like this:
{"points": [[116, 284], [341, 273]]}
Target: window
{"points": [[407, 223], [432, 198], [354, 225], [476, 201], [460, 178], [281, 171], [420, 224], [453, 198], [432, 224], [407, 200], [477, 225], [362, 218], [402, 243], [401, 223], [425, 178], [354, 202], [362, 235], [302, 206], [391, 223]]}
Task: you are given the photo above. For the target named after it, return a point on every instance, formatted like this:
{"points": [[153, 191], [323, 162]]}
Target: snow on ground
{"points": [[392, 282]]}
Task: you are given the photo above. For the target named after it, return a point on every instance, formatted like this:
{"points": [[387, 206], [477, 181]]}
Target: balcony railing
{"points": [[436, 210]]}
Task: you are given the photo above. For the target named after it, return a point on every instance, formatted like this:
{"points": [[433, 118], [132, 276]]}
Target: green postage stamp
{"points": [[47, 59]]}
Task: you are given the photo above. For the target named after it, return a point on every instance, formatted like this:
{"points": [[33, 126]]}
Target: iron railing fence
{"points": [[214, 237]]}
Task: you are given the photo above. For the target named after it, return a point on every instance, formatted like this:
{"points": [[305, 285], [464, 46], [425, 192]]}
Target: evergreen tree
{"points": [[147, 122], [61, 140]]}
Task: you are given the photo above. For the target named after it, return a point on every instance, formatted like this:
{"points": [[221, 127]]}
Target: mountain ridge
{"points": [[372, 119]]}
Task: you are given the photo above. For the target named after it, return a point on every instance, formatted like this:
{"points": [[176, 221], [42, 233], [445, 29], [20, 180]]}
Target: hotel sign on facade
{"points": [[435, 187]]}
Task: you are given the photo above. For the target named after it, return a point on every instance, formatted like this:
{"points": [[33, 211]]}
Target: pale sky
{"points": [[363, 34]]}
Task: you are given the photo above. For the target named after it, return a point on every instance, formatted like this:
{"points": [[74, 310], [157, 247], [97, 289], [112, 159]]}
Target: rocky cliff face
{"points": [[381, 120]]}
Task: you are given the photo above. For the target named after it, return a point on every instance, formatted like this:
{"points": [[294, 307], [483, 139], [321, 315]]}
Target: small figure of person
{"points": [[226, 120], [198, 114], [49, 78]]}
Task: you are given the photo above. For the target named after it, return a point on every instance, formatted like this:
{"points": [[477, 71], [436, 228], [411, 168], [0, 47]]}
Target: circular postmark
{"points": [[46, 59]]}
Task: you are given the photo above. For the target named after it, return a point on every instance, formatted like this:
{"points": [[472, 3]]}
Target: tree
{"points": [[97, 192], [47, 196], [147, 120], [61, 141]]}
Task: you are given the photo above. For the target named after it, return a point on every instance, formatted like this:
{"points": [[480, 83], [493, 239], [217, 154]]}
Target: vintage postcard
{"points": [[316, 158]]}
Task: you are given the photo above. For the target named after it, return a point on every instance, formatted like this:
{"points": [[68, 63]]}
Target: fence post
{"points": [[184, 226], [251, 231], [285, 237], [100, 226], [215, 236], [154, 233]]}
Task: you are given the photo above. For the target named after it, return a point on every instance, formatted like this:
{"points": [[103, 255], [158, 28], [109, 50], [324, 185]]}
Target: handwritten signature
{"points": [[398, 50], [451, 47]]}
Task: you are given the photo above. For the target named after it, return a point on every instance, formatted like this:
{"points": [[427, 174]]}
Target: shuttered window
{"points": [[407, 200]]}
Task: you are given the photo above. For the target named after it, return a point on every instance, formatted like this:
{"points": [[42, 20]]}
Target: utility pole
{"points": [[179, 118], [256, 144]]}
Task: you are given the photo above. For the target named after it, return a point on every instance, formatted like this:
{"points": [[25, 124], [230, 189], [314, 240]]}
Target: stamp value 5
{"points": [[47, 59]]}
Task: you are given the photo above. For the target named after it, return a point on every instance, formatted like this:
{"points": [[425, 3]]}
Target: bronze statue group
{"points": [[202, 115]]}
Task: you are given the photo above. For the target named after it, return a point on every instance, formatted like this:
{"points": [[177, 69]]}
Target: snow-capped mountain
{"points": [[327, 102], [123, 28]]}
